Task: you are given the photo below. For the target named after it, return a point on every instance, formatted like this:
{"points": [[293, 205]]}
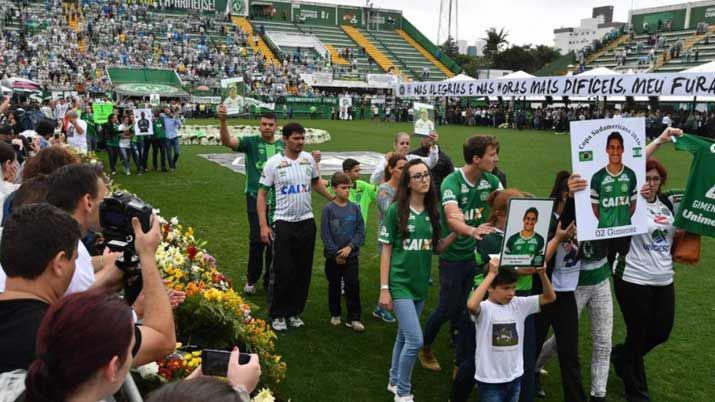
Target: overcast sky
{"points": [[527, 21]]}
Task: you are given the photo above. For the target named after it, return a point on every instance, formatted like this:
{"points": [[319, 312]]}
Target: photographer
{"points": [[39, 276]]}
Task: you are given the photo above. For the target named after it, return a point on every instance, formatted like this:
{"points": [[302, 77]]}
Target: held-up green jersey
{"points": [[532, 246], [491, 244], [257, 152], [471, 198], [411, 258], [696, 213], [614, 194]]}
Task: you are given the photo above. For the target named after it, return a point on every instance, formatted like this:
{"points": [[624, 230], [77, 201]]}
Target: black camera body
{"points": [[115, 218]]}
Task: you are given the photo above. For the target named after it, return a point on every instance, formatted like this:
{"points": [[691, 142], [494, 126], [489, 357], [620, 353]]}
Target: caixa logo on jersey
{"points": [[294, 189]]}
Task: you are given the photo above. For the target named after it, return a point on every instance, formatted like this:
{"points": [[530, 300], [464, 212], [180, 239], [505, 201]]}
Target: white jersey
{"points": [[500, 339], [649, 261], [292, 181]]}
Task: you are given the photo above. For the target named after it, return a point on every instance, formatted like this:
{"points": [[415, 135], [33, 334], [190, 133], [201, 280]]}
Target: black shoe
{"points": [[539, 393]]}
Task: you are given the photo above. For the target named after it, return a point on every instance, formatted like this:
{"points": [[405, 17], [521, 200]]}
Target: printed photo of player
{"points": [[527, 241], [613, 188]]}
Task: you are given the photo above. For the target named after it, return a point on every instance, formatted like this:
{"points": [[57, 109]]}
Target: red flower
{"points": [[191, 251]]}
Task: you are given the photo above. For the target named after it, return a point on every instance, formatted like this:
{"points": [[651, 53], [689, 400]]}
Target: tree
{"points": [[449, 48], [495, 41], [515, 58]]}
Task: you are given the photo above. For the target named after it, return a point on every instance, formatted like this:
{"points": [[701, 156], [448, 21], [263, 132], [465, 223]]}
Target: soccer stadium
{"points": [[287, 200]]}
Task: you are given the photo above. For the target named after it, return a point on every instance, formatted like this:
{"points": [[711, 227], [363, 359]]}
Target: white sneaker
{"points": [[279, 324], [356, 326], [295, 322], [335, 320], [406, 398], [392, 388], [249, 289]]}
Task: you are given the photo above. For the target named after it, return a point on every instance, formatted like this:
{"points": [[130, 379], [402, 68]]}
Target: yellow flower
{"points": [[264, 395]]}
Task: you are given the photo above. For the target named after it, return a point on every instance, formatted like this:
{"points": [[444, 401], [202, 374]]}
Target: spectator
{"points": [[76, 131], [171, 124], [444, 165]]}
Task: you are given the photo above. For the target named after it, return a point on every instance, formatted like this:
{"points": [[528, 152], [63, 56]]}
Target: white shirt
{"points": [[76, 139], [649, 261], [500, 339], [431, 160], [667, 121], [83, 277], [292, 181], [566, 267]]}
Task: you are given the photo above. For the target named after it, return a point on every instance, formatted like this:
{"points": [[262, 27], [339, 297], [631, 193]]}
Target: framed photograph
{"points": [[143, 122], [230, 98], [610, 155], [424, 118], [526, 232]]}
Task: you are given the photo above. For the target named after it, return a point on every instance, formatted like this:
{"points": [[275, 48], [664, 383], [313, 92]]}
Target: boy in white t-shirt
{"points": [[500, 331]]}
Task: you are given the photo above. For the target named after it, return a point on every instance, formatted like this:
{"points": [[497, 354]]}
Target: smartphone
{"points": [[215, 362]]}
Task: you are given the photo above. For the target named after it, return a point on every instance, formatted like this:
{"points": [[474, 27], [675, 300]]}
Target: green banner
{"points": [[101, 112]]}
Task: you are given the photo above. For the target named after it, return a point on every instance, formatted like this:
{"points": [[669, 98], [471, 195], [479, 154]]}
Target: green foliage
{"points": [[210, 325], [495, 41], [449, 48]]}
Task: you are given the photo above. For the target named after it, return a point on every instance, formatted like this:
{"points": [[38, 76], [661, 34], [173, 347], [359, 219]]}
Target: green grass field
{"points": [[327, 363]]}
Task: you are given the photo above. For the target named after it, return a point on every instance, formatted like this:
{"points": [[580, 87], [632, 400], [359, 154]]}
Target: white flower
{"points": [[174, 221], [148, 370], [264, 395]]}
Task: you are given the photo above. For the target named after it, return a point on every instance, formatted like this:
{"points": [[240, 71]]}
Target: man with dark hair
{"points": [[613, 188], [464, 211], [78, 190], [38, 253], [292, 175], [37, 276], [258, 149], [45, 129]]}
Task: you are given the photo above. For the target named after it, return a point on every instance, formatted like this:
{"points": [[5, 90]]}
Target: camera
{"points": [[115, 218]]}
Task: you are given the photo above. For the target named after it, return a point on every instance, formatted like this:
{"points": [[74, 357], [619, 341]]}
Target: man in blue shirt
{"points": [[171, 125]]}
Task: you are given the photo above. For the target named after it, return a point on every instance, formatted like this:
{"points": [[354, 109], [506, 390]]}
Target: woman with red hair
{"points": [[643, 280]]}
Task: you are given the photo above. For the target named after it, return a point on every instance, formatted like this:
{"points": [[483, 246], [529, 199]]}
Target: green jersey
{"points": [[594, 262], [257, 152], [113, 138], [532, 246], [491, 244], [411, 259], [159, 130], [696, 213], [614, 195], [471, 198]]}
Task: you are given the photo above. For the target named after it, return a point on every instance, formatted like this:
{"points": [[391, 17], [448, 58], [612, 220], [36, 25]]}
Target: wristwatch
{"points": [[384, 287]]}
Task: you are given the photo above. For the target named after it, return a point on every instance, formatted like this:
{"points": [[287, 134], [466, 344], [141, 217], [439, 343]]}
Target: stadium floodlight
{"points": [[448, 13]]}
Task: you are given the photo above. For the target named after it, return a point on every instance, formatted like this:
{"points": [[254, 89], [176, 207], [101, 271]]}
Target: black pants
{"points": [[157, 146], [113, 154], [649, 312], [465, 348], [562, 315], [255, 246], [293, 245], [348, 273]]}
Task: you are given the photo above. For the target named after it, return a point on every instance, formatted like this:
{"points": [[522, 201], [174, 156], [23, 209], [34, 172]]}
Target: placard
{"points": [[424, 118], [101, 111], [154, 99], [231, 100], [610, 155], [143, 122], [526, 232]]}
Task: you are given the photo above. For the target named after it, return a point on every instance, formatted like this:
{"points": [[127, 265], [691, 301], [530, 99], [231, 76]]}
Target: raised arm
{"points": [[158, 332], [377, 176], [226, 139], [665, 137], [475, 300]]}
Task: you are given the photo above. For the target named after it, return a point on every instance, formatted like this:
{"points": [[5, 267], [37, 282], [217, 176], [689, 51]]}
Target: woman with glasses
{"points": [[410, 235], [643, 281]]}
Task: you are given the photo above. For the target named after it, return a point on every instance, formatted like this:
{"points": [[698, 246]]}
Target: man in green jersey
{"points": [[158, 144], [527, 241], [613, 188], [362, 193], [258, 148], [465, 211]]}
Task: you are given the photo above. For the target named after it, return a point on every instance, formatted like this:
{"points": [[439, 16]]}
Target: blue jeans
{"points": [[407, 343], [503, 392], [125, 154], [455, 281], [172, 151]]}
